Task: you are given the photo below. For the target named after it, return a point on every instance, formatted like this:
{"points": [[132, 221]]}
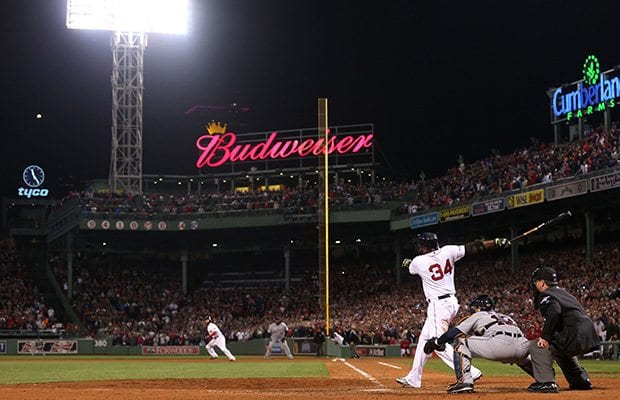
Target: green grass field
{"points": [[28, 369], [39, 370]]}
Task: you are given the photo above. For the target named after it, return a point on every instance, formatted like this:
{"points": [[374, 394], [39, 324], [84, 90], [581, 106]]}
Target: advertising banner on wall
{"points": [[2, 346], [604, 182], [304, 346], [526, 199], [488, 207], [455, 213], [40, 346], [170, 350], [372, 351], [565, 190], [424, 220]]}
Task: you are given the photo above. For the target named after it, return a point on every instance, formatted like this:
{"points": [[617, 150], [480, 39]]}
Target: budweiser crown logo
{"points": [[216, 128]]}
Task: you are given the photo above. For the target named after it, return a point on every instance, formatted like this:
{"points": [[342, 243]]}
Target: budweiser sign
{"points": [[218, 149]]}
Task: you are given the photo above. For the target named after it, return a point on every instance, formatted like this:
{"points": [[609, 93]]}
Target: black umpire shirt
{"points": [[566, 325]]}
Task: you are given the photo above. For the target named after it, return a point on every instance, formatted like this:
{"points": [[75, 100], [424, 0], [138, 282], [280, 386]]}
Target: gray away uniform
{"points": [[278, 335], [490, 335]]}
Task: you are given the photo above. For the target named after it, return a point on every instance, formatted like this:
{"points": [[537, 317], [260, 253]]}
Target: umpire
{"points": [[567, 332]]}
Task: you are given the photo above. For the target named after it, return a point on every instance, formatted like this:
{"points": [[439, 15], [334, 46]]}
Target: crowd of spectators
{"points": [[144, 304], [538, 163], [21, 306], [289, 200]]}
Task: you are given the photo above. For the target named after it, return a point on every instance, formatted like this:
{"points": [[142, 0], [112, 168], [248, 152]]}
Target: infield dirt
{"points": [[364, 379]]}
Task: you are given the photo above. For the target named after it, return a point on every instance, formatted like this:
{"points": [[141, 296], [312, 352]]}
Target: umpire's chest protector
{"points": [[575, 334]]}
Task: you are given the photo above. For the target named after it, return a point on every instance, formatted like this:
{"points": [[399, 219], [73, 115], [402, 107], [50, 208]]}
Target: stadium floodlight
{"points": [[130, 21], [163, 16]]}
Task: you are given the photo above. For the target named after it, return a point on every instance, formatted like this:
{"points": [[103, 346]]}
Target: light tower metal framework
{"points": [[129, 21], [127, 100]]}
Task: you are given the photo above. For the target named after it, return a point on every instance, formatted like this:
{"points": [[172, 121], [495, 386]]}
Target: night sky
{"points": [[438, 79]]}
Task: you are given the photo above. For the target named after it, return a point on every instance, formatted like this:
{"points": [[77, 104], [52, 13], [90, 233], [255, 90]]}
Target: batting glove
{"points": [[502, 243], [406, 263]]}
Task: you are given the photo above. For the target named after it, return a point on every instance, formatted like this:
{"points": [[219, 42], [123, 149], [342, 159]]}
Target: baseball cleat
{"points": [[403, 381], [586, 385], [213, 358], [461, 388], [450, 386], [543, 387]]}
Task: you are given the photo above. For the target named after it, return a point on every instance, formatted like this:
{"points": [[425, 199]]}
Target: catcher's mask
{"points": [[425, 242], [485, 302]]}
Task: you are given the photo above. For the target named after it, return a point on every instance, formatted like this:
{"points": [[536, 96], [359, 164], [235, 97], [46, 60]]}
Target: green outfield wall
{"points": [[255, 347]]}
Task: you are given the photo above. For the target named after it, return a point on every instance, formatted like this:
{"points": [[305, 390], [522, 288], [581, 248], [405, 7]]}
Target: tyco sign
{"points": [[33, 176]]}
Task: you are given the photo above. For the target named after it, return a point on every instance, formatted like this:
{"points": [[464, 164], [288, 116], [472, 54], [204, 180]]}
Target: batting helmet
{"points": [[485, 302], [546, 274], [426, 242]]}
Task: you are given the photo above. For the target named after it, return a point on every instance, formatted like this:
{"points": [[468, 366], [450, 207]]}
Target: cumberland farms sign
{"points": [[219, 147], [596, 91]]}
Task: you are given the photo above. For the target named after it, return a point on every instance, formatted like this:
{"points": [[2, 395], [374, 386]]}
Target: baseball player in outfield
{"points": [[436, 267], [487, 334], [217, 339], [278, 330]]}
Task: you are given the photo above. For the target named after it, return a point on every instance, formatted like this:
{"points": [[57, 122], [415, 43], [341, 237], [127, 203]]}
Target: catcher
{"points": [[485, 333]]}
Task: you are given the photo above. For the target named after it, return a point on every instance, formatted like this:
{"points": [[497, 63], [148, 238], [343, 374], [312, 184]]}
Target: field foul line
{"points": [[390, 365], [364, 374]]}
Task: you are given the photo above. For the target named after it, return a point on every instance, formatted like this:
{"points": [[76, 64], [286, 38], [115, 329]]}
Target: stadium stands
{"points": [[22, 309], [140, 304]]}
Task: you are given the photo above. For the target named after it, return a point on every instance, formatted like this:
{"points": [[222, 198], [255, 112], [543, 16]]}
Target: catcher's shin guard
{"points": [[462, 362]]}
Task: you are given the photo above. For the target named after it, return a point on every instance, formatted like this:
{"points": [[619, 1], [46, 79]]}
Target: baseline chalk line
{"points": [[390, 365]]}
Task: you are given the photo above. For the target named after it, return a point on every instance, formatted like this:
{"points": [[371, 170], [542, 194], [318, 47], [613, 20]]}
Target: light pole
{"points": [[129, 21]]}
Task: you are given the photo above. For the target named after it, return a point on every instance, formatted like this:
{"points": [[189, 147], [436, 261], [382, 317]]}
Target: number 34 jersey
{"points": [[437, 270]]}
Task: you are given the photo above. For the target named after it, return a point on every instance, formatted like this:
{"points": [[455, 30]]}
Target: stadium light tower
{"points": [[129, 21]]}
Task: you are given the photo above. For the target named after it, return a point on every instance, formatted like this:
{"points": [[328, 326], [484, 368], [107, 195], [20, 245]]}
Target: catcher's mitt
{"points": [[432, 345]]}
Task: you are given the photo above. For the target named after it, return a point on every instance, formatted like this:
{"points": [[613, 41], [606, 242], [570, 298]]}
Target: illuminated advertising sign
{"points": [[455, 213], [597, 91], [219, 147], [526, 199], [424, 220], [33, 176], [488, 206], [565, 190], [604, 182]]}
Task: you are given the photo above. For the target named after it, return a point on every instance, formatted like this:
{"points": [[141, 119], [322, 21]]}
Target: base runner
{"points": [[217, 339]]}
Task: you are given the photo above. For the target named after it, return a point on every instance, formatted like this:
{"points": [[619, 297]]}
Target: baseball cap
{"points": [[547, 274]]}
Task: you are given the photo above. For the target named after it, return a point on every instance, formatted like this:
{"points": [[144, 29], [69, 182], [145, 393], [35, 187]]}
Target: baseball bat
{"points": [[561, 217]]}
